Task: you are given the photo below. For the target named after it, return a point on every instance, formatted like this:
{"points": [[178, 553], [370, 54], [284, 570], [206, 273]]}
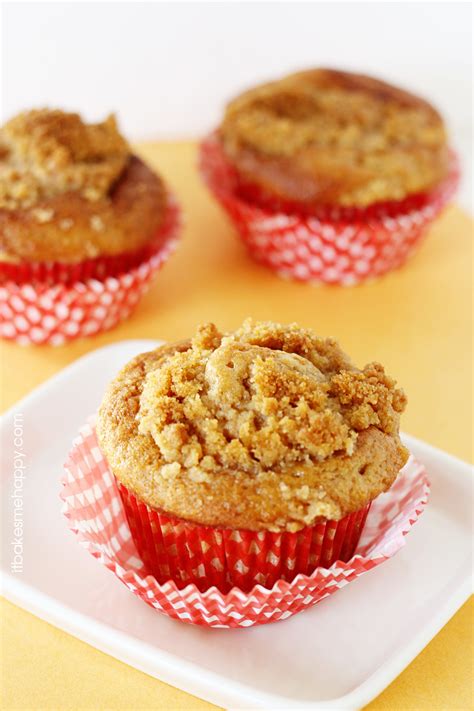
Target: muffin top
{"points": [[71, 191], [269, 427], [327, 137], [46, 153]]}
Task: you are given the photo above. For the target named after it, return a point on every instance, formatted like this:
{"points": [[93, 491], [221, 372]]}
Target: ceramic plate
{"points": [[338, 655]]}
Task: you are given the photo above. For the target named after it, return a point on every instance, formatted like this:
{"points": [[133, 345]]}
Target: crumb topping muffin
{"points": [[71, 191], [335, 138], [267, 428]]}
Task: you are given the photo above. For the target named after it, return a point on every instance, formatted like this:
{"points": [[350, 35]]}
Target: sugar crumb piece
{"points": [[66, 224], [97, 223], [168, 471], [43, 215]]}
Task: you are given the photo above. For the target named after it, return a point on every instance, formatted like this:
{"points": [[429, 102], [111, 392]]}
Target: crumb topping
{"points": [[360, 140], [266, 397], [46, 152]]}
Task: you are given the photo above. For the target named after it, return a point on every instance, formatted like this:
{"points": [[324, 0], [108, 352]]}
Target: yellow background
{"points": [[416, 321]]}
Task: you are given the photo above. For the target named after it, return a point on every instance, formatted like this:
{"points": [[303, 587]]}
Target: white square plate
{"points": [[340, 654]]}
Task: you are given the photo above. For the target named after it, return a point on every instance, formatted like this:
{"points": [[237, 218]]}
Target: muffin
{"points": [[249, 457], [335, 155], [75, 203]]}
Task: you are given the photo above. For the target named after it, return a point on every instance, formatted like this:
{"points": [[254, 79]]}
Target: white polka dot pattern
{"points": [[93, 507], [39, 313], [333, 249]]}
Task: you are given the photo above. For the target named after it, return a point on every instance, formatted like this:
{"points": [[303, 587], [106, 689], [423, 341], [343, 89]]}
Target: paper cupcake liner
{"points": [[37, 312], [185, 552], [338, 245], [53, 273], [93, 507]]}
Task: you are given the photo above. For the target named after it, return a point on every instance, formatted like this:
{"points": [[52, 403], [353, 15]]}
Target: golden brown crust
{"points": [[331, 137], [269, 427], [69, 228]]}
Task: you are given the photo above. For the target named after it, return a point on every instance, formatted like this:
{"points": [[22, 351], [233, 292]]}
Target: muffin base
{"points": [[186, 552], [336, 245], [35, 311]]}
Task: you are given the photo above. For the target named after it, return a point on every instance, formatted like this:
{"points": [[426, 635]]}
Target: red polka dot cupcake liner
{"points": [[99, 514], [40, 311], [342, 246], [53, 273], [185, 552]]}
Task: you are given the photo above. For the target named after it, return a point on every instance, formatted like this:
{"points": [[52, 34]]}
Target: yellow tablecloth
{"points": [[417, 321]]}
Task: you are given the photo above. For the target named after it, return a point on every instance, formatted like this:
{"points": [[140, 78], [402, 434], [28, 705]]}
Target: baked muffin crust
{"points": [[70, 191], [327, 137], [269, 427]]}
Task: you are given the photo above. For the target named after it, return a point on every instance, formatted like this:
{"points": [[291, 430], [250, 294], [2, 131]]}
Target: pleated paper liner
{"points": [[185, 552], [53, 273], [342, 246], [41, 312], [93, 506]]}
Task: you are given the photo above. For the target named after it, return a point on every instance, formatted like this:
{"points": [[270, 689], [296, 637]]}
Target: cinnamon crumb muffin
{"points": [[84, 227], [267, 431], [71, 191], [328, 176], [335, 138]]}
